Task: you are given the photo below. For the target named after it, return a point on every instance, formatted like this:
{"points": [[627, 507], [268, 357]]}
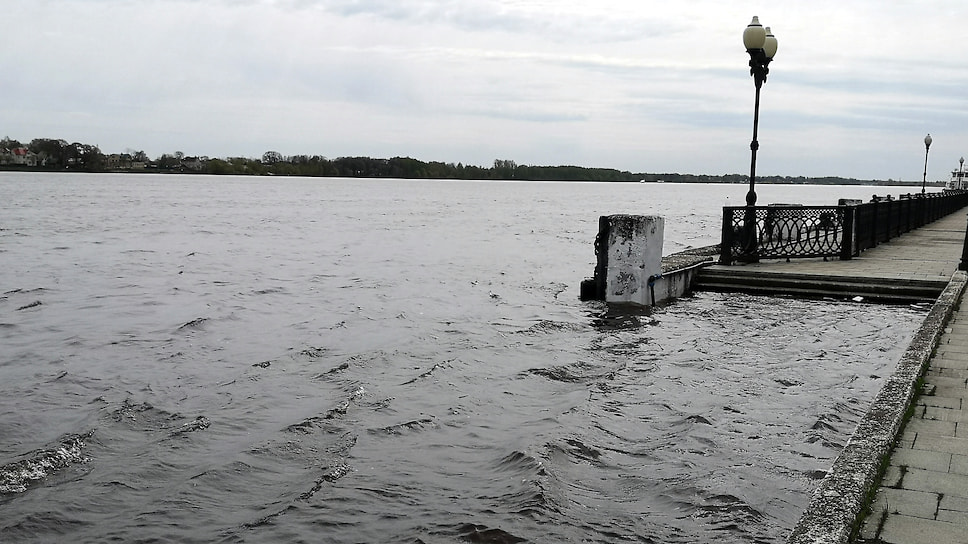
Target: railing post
{"points": [[750, 237], [847, 243], [726, 247], [963, 265], [923, 212], [908, 205], [874, 212]]}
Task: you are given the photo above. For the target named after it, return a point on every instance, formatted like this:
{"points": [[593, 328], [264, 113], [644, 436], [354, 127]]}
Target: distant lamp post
{"points": [[761, 45], [927, 146], [961, 174]]}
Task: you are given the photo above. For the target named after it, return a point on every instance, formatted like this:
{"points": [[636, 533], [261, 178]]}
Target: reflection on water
{"points": [[240, 359]]}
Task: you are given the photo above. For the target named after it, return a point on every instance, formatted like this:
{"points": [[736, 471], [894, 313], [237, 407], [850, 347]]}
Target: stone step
{"points": [[728, 279]]}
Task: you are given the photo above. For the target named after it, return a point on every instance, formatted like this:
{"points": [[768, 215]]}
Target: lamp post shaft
{"points": [[754, 146], [927, 146], [924, 179]]}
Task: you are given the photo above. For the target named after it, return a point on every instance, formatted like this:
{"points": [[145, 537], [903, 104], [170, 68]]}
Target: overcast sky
{"points": [[639, 85]]}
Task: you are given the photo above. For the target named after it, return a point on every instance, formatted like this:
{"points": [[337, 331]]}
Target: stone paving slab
{"points": [[923, 426], [901, 529], [940, 402], [959, 465], [925, 460], [944, 414], [948, 372], [945, 483], [906, 502]]}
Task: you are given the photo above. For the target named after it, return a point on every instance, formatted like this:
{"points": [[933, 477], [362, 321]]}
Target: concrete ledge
{"points": [[837, 503], [679, 270]]}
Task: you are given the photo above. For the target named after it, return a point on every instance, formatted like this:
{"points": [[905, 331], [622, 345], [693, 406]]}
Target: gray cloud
{"points": [[637, 85]]}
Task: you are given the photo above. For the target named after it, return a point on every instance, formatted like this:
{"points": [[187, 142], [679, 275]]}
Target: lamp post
{"points": [[761, 45], [927, 146], [961, 174]]}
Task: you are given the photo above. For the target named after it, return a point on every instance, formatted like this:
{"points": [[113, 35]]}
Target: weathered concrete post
{"points": [[629, 249]]}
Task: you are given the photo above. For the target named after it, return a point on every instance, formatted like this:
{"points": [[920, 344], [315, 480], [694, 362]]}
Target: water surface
{"points": [[201, 359]]}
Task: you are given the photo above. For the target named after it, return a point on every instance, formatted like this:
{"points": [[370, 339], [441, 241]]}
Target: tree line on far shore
{"points": [[59, 155]]}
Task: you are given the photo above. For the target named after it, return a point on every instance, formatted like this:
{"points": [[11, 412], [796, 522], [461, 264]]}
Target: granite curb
{"points": [[836, 506]]}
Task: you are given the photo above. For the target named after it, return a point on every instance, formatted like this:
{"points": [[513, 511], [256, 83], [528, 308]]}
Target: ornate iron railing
{"points": [[790, 231], [777, 232]]}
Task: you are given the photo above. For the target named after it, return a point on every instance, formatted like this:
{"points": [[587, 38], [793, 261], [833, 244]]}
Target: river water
{"points": [[232, 359]]}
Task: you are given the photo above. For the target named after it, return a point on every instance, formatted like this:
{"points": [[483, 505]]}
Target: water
{"points": [[205, 359]]}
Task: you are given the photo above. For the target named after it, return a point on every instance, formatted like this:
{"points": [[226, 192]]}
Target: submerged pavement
{"points": [[923, 495]]}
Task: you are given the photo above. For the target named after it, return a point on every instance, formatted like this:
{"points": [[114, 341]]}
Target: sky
{"points": [[651, 86]]}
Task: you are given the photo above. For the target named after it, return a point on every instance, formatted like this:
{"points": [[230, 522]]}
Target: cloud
{"points": [[556, 21], [636, 85]]}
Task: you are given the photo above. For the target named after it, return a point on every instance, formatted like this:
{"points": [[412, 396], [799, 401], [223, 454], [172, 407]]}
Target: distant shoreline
{"points": [[642, 178]]}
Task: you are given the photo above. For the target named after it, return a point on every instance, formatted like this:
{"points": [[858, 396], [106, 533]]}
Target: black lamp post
{"points": [[761, 45], [927, 145], [961, 174]]}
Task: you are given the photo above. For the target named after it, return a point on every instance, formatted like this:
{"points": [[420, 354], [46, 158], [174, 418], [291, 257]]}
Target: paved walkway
{"points": [[931, 252], [923, 497]]}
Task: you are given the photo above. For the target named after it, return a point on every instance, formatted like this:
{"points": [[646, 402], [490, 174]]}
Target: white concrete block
{"points": [[634, 255]]}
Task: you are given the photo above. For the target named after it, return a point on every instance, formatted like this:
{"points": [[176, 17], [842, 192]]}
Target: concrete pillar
{"points": [[633, 252]]}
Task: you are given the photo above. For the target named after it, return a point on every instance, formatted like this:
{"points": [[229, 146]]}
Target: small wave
{"points": [[518, 461], [731, 508], [409, 426], [33, 304], [25, 291], [197, 424], [581, 451], [826, 431], [426, 374], [578, 373], [332, 371], [194, 324], [549, 327], [269, 291], [330, 475], [146, 418], [313, 353], [472, 532], [699, 419], [17, 476], [530, 490], [129, 411], [309, 425]]}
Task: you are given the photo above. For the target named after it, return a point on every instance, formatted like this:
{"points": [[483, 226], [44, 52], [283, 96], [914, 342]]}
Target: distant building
{"points": [[20, 156], [194, 163]]}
